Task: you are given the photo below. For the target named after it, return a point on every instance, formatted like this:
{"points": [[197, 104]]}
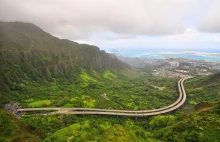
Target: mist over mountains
{"points": [[28, 49]]}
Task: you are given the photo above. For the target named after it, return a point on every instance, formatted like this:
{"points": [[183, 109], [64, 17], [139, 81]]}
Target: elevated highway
{"points": [[88, 111]]}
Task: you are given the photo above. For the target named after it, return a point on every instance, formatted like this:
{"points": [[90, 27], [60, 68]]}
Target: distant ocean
{"points": [[159, 55]]}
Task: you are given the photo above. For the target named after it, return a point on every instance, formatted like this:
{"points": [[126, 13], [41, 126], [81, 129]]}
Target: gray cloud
{"points": [[79, 19], [120, 36], [210, 22]]}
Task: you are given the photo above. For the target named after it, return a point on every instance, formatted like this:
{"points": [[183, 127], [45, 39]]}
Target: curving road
{"points": [[179, 102]]}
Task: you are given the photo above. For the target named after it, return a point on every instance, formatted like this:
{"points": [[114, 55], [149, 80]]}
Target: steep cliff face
{"points": [[26, 51]]}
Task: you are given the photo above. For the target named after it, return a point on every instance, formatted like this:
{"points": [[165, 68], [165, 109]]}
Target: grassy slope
{"points": [[201, 89]]}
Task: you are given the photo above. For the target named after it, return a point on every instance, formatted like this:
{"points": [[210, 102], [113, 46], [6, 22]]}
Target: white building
{"points": [[174, 64]]}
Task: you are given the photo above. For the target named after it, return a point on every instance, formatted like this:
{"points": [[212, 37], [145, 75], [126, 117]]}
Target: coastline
{"points": [[209, 57]]}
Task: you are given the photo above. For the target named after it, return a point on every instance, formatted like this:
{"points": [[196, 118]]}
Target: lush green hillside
{"points": [[133, 90], [39, 70], [11, 129], [201, 125], [203, 89], [27, 52]]}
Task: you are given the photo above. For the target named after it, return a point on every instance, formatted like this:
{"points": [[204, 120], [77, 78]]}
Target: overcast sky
{"points": [[124, 24]]}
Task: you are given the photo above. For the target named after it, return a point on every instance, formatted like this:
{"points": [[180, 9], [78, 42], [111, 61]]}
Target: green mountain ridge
{"points": [[26, 51], [39, 70]]}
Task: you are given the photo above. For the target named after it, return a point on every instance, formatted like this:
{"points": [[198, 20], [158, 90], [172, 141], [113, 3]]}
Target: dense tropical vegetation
{"points": [[202, 89], [200, 125], [39, 70], [99, 90]]}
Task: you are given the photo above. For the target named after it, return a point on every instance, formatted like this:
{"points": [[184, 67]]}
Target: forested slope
{"points": [[27, 52], [203, 89], [39, 70], [202, 125], [12, 129]]}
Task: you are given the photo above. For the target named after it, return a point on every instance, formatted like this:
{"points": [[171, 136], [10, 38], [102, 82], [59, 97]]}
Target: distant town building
{"points": [[204, 70], [174, 64], [182, 71]]}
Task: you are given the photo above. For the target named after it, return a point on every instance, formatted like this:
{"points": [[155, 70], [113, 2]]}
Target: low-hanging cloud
{"points": [[78, 19]]}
